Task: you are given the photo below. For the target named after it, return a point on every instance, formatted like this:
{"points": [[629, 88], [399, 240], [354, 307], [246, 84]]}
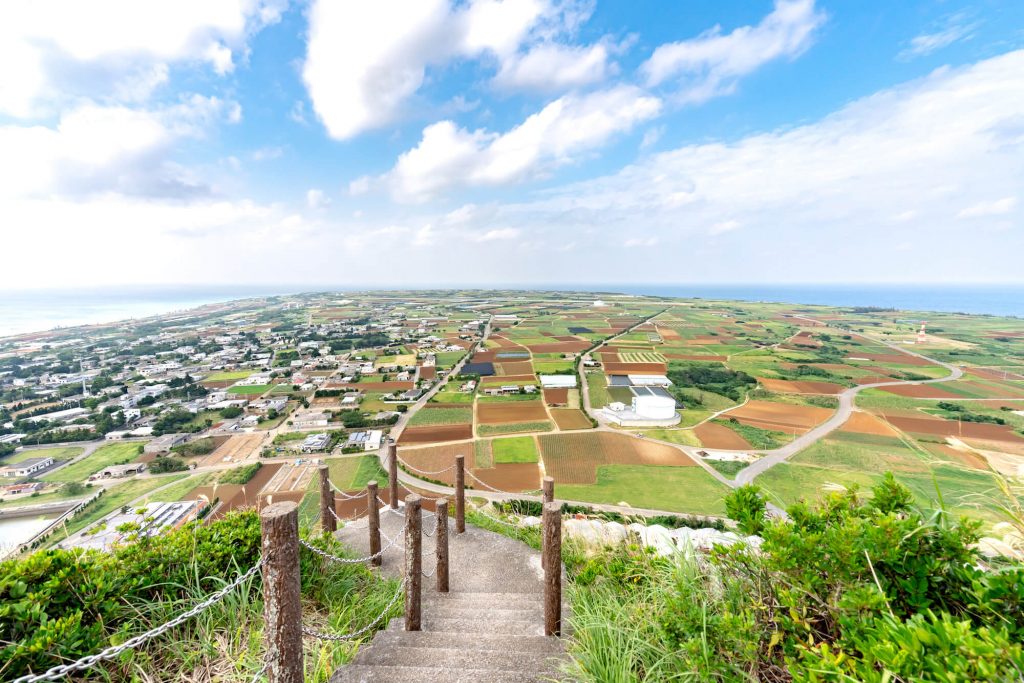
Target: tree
{"points": [[230, 412], [747, 507]]}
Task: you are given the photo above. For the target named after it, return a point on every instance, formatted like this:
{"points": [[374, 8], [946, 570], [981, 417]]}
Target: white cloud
{"points": [[710, 65], [94, 149], [640, 242], [495, 234], [54, 50], [954, 28], [316, 199], [999, 207], [552, 68], [722, 227], [448, 156], [365, 60]]}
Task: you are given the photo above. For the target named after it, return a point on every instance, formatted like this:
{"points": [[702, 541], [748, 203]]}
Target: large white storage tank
{"points": [[654, 407]]}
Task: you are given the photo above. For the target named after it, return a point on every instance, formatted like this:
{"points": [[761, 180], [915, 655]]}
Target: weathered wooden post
{"points": [[460, 494], [552, 569], [393, 472], [441, 543], [547, 496], [413, 562], [373, 517], [327, 521], [282, 607]]}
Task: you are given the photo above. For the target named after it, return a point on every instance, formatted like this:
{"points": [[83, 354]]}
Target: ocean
{"points": [[39, 310]]}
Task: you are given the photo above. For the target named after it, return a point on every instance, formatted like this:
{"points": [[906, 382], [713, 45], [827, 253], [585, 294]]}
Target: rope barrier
{"points": [[63, 670], [320, 635], [426, 472], [342, 493]]}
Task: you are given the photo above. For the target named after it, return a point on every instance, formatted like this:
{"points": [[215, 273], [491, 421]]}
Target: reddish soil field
{"points": [[989, 390], [920, 391], [568, 339], [381, 386], [520, 476], [968, 458], [234, 449], [570, 418], [505, 476], [714, 435], [687, 356], [513, 411], [574, 458], [222, 384], [779, 416], [973, 430], [866, 423], [560, 347], [484, 357], [514, 368], [668, 334], [872, 379], [434, 433], [235, 496], [635, 368], [502, 341], [556, 397], [995, 373], [428, 372], [789, 387]]}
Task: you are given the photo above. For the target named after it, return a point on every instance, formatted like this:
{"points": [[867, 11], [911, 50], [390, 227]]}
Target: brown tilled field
{"points": [[435, 433], [560, 347], [574, 458], [386, 387], [507, 477], [784, 386], [894, 358], [524, 367], [556, 397], [513, 411], [779, 416], [713, 435], [866, 423], [484, 357], [920, 391], [939, 427], [234, 449], [690, 356], [505, 379], [570, 418]]}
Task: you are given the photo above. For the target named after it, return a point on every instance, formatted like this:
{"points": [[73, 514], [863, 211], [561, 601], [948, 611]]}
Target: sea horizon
{"points": [[41, 310]]}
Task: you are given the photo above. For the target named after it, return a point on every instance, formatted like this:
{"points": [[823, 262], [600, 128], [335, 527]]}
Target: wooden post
{"points": [[282, 607], [460, 494], [441, 543], [373, 516], [552, 569], [547, 496], [327, 521], [413, 562], [393, 472]]}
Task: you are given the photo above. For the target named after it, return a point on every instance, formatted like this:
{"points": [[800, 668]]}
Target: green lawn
{"points": [[677, 489], [59, 453], [110, 454], [115, 497], [232, 375], [252, 390], [47, 497], [515, 449], [442, 416], [353, 473], [452, 397]]}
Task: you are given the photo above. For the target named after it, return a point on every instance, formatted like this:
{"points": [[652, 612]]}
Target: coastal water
{"points": [[39, 310]]}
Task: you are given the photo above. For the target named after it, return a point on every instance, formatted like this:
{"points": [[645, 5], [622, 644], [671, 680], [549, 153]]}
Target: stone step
{"points": [[361, 673], [460, 611], [534, 597], [480, 642], [452, 658], [483, 624]]}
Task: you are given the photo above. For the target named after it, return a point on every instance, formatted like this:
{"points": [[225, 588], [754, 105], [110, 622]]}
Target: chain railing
{"points": [[350, 560], [425, 472], [64, 670], [343, 637]]}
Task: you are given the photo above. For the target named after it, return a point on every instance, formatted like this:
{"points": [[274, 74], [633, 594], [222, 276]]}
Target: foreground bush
{"points": [[844, 590]]}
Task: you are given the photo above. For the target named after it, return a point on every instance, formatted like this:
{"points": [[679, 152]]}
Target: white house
{"points": [[26, 468], [558, 381]]}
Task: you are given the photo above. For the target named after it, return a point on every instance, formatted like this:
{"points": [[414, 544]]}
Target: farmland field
{"points": [[442, 416], [518, 411], [58, 453], [434, 433], [232, 375], [104, 456], [677, 489], [515, 449], [573, 458], [251, 390], [514, 427]]}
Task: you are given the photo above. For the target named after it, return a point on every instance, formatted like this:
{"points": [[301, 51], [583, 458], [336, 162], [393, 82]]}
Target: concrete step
{"points": [[487, 599], [452, 658], [361, 673], [479, 642], [460, 611], [483, 624]]}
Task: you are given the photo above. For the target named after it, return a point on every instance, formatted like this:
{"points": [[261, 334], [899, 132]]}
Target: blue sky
{"points": [[511, 141]]}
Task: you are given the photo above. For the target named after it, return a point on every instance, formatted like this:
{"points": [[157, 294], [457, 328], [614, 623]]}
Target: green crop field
{"points": [[678, 489], [252, 390], [597, 385], [442, 416], [229, 375], [515, 449], [105, 456], [515, 427]]}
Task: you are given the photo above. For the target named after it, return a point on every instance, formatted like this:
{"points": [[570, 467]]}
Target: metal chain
{"points": [[85, 662], [431, 574], [263, 670], [342, 493], [428, 473], [352, 636], [346, 560]]}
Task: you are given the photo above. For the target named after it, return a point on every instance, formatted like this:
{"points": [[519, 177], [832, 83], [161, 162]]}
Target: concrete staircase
{"points": [[488, 628]]}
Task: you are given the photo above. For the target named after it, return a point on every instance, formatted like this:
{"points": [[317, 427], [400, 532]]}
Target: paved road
{"points": [[842, 414]]}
